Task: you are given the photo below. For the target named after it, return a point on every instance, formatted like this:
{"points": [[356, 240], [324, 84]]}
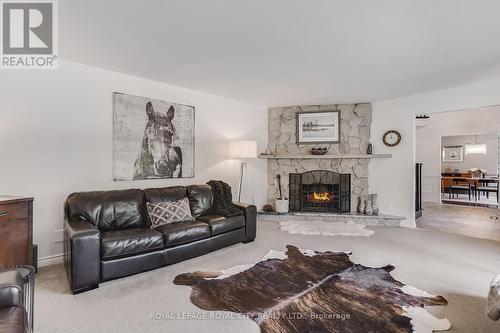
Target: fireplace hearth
{"points": [[320, 191]]}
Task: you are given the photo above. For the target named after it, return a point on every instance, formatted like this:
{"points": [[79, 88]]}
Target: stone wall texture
{"points": [[355, 135]]}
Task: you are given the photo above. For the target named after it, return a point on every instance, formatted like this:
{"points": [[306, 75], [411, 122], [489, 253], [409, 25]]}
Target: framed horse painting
{"points": [[152, 139]]}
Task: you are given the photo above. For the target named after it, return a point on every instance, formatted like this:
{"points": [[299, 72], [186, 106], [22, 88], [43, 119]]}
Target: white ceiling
{"points": [[286, 52]]}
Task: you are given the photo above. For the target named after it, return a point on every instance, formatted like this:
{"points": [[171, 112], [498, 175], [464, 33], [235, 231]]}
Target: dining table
{"points": [[473, 181]]}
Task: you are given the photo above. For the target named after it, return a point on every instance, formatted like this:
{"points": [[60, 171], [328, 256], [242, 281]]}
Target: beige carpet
{"points": [[457, 267]]}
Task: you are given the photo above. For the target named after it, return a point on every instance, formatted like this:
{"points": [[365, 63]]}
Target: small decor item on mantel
{"points": [[319, 151], [282, 204], [375, 208], [369, 149], [267, 152]]}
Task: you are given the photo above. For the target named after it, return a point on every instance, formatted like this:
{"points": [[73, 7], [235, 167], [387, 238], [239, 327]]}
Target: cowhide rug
{"points": [[310, 291], [325, 228]]}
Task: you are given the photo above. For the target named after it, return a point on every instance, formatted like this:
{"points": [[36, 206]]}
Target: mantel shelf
{"points": [[339, 156]]}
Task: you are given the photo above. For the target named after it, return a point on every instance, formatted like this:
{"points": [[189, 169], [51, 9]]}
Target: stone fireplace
{"points": [[341, 157], [320, 191]]}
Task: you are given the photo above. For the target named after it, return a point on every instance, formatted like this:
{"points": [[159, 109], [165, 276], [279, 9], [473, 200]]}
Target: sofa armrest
{"points": [[11, 289], [82, 254], [250, 212]]}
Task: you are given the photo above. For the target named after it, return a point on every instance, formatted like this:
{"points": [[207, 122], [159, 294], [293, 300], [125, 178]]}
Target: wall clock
{"points": [[391, 138]]}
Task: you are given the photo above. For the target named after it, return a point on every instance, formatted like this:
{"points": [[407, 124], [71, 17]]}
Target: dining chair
{"points": [[487, 186], [461, 185]]}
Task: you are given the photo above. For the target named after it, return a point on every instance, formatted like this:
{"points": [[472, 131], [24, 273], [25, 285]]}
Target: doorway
{"points": [[459, 152], [469, 170]]}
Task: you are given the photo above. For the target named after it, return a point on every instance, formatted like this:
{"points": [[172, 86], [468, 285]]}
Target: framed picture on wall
{"points": [[318, 127], [152, 139], [452, 154]]}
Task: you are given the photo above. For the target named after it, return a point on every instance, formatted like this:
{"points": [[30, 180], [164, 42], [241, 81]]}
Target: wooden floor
{"points": [[477, 222]]}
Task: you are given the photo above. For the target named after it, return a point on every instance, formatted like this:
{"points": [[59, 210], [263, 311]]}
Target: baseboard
{"points": [[51, 260], [465, 203], [408, 224]]}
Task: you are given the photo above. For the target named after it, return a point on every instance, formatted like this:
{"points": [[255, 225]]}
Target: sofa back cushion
{"points": [[109, 210], [165, 194], [200, 199]]}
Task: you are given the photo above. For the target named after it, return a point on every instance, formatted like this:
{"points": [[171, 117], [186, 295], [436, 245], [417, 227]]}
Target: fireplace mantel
{"points": [[347, 157], [339, 156]]}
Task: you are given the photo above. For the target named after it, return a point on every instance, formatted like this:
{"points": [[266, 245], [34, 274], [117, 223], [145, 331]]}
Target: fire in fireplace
{"points": [[320, 191], [320, 197]]}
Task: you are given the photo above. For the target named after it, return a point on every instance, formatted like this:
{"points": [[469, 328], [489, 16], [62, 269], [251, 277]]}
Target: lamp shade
{"points": [[243, 149]]}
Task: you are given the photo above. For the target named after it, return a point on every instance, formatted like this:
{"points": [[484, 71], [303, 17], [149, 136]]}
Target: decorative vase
{"points": [[281, 205], [369, 150], [368, 207], [361, 205], [375, 208]]}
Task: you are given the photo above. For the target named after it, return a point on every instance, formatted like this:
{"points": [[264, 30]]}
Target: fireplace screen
{"points": [[320, 191]]}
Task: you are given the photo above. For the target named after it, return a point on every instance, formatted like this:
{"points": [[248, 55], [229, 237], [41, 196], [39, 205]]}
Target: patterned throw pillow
{"points": [[169, 212]]}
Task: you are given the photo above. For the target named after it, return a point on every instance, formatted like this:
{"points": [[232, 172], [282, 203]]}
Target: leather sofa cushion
{"points": [[165, 194], [179, 233], [13, 320], [129, 242], [11, 289], [220, 224], [200, 199], [108, 210]]}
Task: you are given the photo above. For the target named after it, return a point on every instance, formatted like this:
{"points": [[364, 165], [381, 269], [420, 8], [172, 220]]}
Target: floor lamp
{"points": [[243, 149]]}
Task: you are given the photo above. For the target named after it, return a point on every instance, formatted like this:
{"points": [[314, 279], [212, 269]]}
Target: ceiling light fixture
{"points": [[475, 148]]}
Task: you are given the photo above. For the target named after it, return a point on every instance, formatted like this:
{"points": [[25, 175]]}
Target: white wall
{"points": [[393, 178], [428, 141], [488, 161], [56, 137]]}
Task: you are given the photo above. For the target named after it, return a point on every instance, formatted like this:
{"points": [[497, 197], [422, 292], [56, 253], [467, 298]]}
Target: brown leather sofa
{"points": [[108, 234]]}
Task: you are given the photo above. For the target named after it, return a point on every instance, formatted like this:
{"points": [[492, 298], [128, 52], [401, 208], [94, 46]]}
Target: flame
{"points": [[321, 196]]}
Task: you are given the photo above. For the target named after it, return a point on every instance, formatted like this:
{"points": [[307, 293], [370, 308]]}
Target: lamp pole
{"points": [[240, 185], [242, 149]]}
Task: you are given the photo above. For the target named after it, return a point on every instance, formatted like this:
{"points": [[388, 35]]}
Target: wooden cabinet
{"points": [[16, 231]]}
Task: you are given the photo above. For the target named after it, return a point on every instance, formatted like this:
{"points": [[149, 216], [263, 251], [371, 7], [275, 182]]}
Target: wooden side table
{"points": [[16, 231]]}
